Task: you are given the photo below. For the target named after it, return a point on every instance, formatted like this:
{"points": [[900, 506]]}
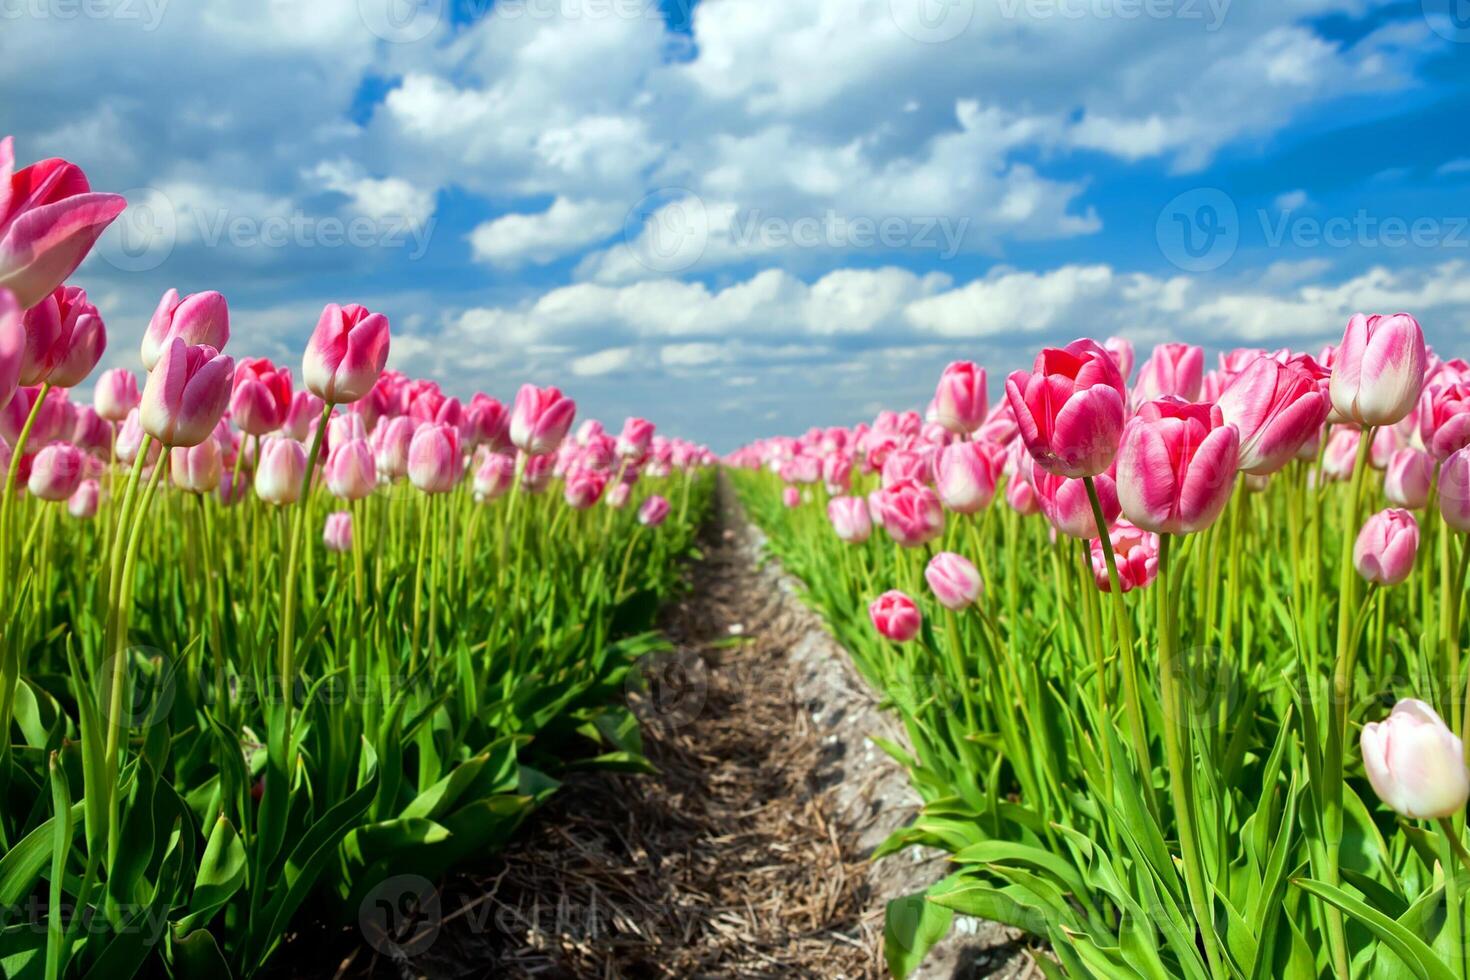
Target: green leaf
{"points": [[911, 927], [1415, 953]]}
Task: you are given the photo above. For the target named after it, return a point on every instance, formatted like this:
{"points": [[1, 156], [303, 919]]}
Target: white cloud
{"points": [[565, 227], [602, 362], [382, 199], [1459, 165], [1292, 200]]}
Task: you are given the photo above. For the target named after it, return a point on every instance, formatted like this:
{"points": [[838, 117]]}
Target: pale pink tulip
{"points": [[197, 468], [1454, 490], [953, 579], [12, 345], [791, 497], [83, 503], [1172, 369], [261, 396], [1277, 408], [965, 475], [1386, 547], [1121, 350], [584, 488], [1176, 466], [1136, 553], [1379, 369], [1444, 418], [653, 512], [850, 519], [350, 471], [487, 423], [635, 439], [540, 419], [1415, 763], [1408, 477], [960, 400], [199, 320], [346, 353], [390, 442], [116, 394], [186, 394], [130, 440], [56, 472], [281, 469], [911, 513], [1066, 504], [434, 461], [337, 532], [1340, 457]]}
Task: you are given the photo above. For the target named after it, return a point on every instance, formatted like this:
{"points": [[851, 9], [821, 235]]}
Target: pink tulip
{"points": [[346, 353], [1121, 350], [487, 424], [1136, 553], [1021, 497], [65, 339], [1454, 490], [954, 581], [837, 472], [91, 433], [903, 465], [49, 220], [1386, 547], [231, 491], [911, 513], [55, 419], [960, 400], [540, 418], [350, 470], [966, 474], [635, 439], [1415, 763], [494, 476], [390, 443], [1408, 477], [617, 497], [850, 519], [584, 488], [303, 416], [337, 533], [1379, 369], [895, 616], [1444, 418], [791, 497], [130, 440], [1277, 409], [1176, 466], [56, 472], [83, 502], [1066, 504], [201, 319], [653, 511], [261, 397], [281, 469], [186, 394], [197, 469], [434, 461], [1340, 457], [12, 345], [1070, 409], [116, 394], [1172, 369]]}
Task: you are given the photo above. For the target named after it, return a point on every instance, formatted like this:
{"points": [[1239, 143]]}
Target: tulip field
{"points": [[270, 639], [1179, 656]]}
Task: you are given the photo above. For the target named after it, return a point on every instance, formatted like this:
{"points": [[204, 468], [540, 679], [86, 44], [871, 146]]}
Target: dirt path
{"points": [[745, 857]]}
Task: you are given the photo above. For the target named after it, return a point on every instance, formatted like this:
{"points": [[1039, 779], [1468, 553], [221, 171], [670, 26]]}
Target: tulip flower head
{"points": [[1415, 763], [83, 503], [56, 472], [346, 353], [1444, 418], [65, 339], [1176, 466], [186, 394], [1277, 408], [850, 519], [1121, 350], [965, 475], [261, 396], [1070, 409], [635, 439], [390, 443], [1136, 553], [337, 533], [953, 579], [791, 497], [494, 476], [116, 394], [1379, 369], [584, 488], [653, 511], [434, 461], [1172, 369], [12, 345], [960, 400], [49, 220], [1066, 504], [199, 320], [911, 513], [1408, 477], [350, 471], [895, 616], [617, 497], [540, 418], [280, 470], [1386, 547], [1454, 490], [197, 469], [130, 440], [487, 424]]}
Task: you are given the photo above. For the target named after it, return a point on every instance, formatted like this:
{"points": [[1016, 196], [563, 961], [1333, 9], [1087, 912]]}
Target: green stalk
{"points": [[286, 651]]}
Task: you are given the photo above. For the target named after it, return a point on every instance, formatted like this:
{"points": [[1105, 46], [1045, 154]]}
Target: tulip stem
{"points": [[286, 652], [1454, 914]]}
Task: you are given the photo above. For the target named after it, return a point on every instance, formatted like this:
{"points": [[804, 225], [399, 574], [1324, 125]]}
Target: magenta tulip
{"points": [[960, 400], [911, 513], [199, 320], [1444, 418], [261, 396], [186, 394], [540, 418], [895, 616], [56, 472], [487, 424], [1277, 408], [1066, 504], [346, 353], [635, 439], [1379, 369], [1408, 477], [1172, 369], [584, 488], [953, 579], [1176, 466], [49, 221], [653, 511], [434, 461], [1136, 553], [1070, 408], [350, 470], [1386, 547]]}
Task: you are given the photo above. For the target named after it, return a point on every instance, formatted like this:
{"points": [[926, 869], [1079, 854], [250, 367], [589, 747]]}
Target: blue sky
{"points": [[741, 216]]}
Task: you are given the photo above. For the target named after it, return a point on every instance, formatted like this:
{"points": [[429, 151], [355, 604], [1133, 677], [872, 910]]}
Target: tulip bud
{"points": [[280, 470], [910, 513], [83, 503], [1136, 554], [116, 394], [1444, 418], [1379, 369], [1386, 547], [965, 476], [1121, 351], [64, 339], [12, 345], [790, 497], [1176, 466], [487, 424], [536, 474], [954, 581], [653, 511], [1454, 490], [635, 439], [390, 443], [130, 440], [197, 468], [1070, 408], [895, 616], [494, 476], [337, 534], [1408, 477], [261, 396], [617, 497], [1277, 407], [346, 353], [850, 519], [1415, 763], [56, 472], [350, 472], [91, 433], [1172, 369], [584, 488], [186, 394], [540, 419], [960, 400], [200, 320], [434, 462]]}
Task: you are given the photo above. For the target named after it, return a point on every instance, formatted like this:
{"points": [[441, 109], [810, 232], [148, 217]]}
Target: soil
{"points": [[745, 857]]}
